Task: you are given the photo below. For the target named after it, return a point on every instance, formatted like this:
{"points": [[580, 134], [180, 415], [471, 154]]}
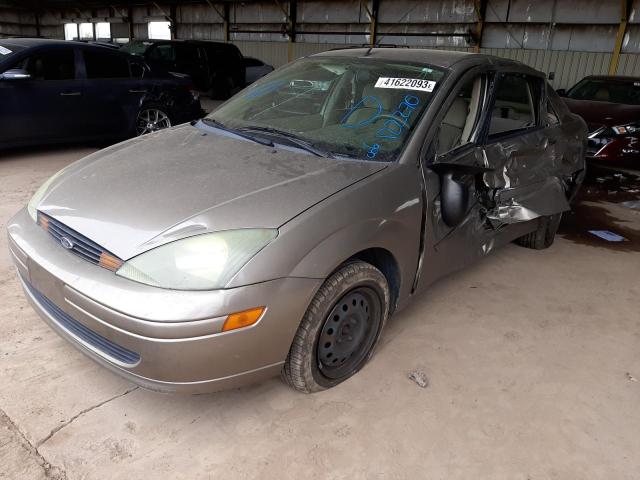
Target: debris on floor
{"points": [[631, 377], [635, 204], [420, 378], [607, 235]]}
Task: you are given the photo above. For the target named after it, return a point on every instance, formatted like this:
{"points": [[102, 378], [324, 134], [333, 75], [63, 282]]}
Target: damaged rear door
{"points": [[524, 176]]}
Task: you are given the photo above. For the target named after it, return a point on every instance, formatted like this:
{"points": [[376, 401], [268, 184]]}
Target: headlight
{"points": [[32, 206], [203, 262]]}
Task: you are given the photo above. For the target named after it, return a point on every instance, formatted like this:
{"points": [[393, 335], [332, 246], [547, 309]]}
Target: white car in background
{"points": [[255, 69]]}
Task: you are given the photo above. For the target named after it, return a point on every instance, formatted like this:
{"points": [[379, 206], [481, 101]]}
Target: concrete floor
{"points": [[532, 358]]}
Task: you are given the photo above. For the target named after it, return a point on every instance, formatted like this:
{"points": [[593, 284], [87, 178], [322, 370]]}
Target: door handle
{"points": [[70, 94], [137, 91]]}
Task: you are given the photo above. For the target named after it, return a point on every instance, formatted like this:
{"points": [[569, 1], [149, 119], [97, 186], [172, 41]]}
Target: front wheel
{"points": [[339, 330], [544, 235], [151, 118]]}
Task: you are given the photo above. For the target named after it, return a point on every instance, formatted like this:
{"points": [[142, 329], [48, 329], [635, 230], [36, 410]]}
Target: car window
{"points": [[8, 49], [614, 91], [136, 47], [137, 69], [460, 122], [551, 115], [187, 54], [163, 53], [58, 64], [513, 108], [105, 65], [364, 108]]}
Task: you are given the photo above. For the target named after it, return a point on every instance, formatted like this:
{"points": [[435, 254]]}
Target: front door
{"points": [[46, 106], [456, 152]]}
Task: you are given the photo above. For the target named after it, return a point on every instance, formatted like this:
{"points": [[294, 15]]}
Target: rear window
{"points": [[614, 91], [514, 105], [163, 53], [136, 48]]}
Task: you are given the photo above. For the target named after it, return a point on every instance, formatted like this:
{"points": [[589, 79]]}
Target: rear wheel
{"points": [[339, 330], [544, 235], [150, 119]]}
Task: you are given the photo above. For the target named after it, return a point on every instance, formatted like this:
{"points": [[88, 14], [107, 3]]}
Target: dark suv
{"points": [[213, 66]]}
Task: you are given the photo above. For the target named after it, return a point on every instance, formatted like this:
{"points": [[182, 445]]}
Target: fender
{"points": [[384, 211]]}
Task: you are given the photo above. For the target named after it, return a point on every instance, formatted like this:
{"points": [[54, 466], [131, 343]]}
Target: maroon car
{"points": [[611, 107]]}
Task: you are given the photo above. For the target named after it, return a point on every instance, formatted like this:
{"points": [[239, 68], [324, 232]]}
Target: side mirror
{"points": [[551, 76], [562, 92], [15, 74], [455, 183], [454, 198]]}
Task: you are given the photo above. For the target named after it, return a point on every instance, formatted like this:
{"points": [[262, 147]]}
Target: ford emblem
{"points": [[66, 243]]}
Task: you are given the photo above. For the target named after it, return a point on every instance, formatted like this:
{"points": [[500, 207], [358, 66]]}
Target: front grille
{"points": [[107, 347], [79, 244]]}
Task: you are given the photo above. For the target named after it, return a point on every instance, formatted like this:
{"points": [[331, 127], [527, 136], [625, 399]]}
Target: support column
{"points": [[481, 11], [622, 28], [293, 15], [130, 21], [375, 8], [227, 38], [173, 18]]}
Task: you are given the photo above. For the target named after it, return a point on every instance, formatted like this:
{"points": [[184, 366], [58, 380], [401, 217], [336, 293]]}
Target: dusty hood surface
{"points": [[155, 189], [597, 114]]}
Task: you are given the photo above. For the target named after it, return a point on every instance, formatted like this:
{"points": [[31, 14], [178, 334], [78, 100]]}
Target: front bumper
{"points": [[164, 340]]}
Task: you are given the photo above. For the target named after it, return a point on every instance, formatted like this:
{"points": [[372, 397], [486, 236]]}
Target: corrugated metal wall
{"points": [[570, 38], [569, 67]]}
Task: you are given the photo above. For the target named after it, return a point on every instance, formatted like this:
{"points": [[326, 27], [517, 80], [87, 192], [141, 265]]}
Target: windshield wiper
{"points": [[291, 137], [238, 132]]}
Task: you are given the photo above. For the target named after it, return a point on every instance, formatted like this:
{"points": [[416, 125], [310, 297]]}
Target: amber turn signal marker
{"points": [[43, 221], [242, 319], [109, 262]]}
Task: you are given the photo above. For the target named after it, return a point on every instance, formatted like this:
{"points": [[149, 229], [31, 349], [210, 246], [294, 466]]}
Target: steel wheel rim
{"points": [[151, 120], [348, 333]]}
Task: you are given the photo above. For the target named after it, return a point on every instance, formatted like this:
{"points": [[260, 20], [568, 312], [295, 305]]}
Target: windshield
{"points": [[7, 50], [627, 92], [136, 48], [356, 107]]}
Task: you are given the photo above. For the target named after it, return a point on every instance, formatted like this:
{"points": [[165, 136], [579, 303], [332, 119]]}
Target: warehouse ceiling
{"points": [[57, 4]]}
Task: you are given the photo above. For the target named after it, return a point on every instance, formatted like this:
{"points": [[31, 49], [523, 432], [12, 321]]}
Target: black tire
{"points": [[544, 235], [223, 88], [307, 368]]}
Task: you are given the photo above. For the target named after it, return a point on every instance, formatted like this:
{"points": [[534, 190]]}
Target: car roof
{"points": [[438, 58], [39, 42], [30, 42]]}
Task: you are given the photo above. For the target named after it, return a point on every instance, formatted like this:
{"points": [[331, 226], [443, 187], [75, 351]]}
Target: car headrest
{"points": [[457, 114]]}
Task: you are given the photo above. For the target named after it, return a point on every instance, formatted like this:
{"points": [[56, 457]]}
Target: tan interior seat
{"points": [[388, 98], [453, 124]]}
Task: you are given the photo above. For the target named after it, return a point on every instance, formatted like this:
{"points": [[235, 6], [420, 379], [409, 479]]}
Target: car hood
{"points": [[598, 114], [151, 190]]}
